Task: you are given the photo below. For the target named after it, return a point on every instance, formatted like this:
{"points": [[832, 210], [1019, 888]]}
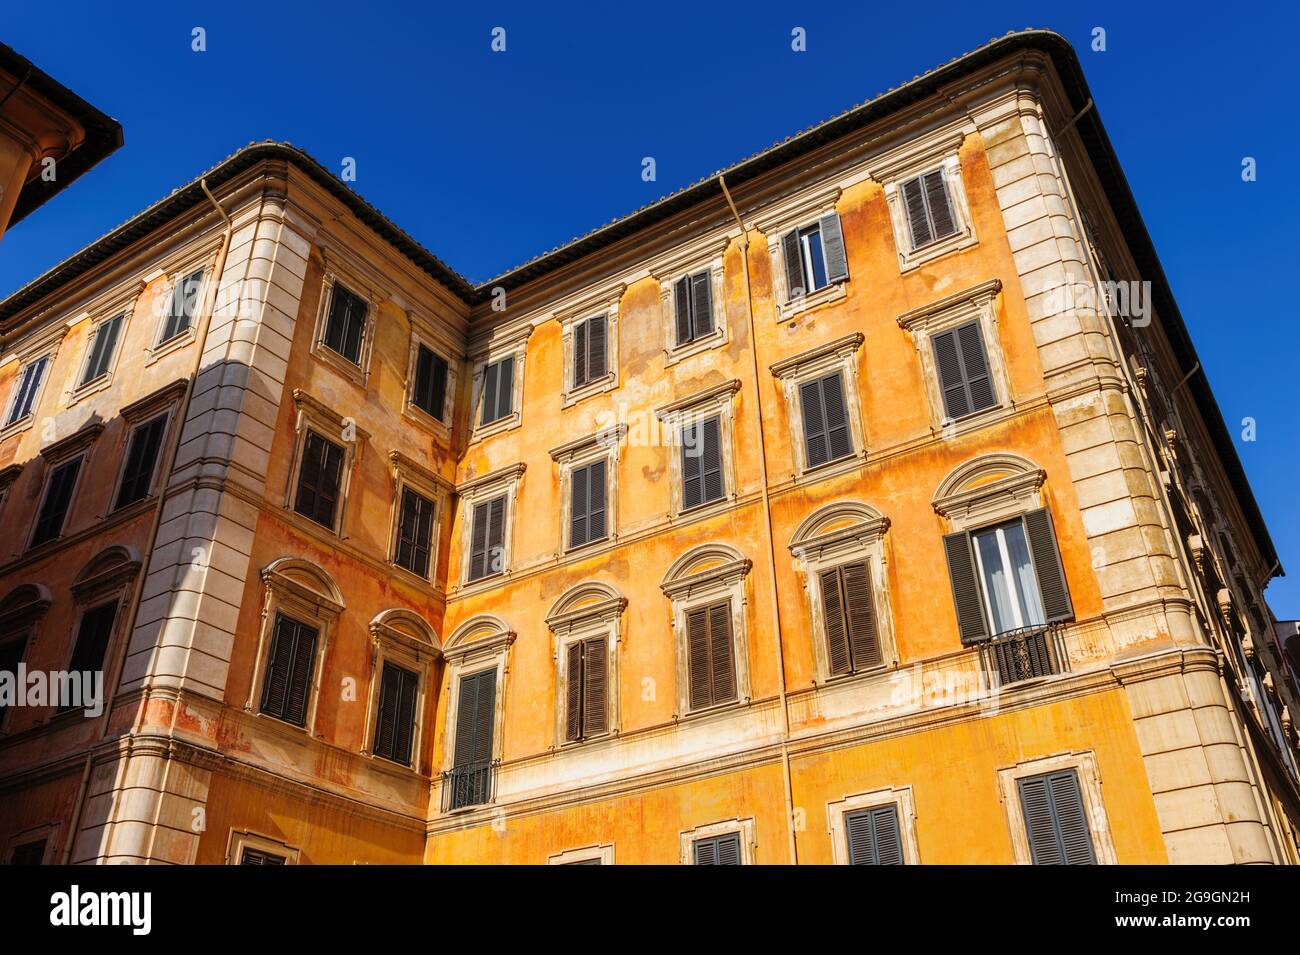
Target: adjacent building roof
{"points": [[103, 134], [1057, 48]]}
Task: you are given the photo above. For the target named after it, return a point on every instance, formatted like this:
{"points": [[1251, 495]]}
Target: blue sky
{"points": [[490, 158]]}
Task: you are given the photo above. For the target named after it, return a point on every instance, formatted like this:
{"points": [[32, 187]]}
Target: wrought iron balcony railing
{"points": [[467, 785], [1024, 654]]}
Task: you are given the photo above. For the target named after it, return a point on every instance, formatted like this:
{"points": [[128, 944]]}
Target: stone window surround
{"points": [[164, 401], [283, 594], [603, 445], [977, 303], [43, 345], [476, 491], [965, 507], [78, 444], [695, 408], [745, 827], [481, 643], [407, 472], [689, 589], [1084, 763], [918, 157], [569, 624], [205, 259], [105, 310], [603, 302], [421, 334], [817, 550], [350, 278], [313, 415], [604, 854], [802, 210], [406, 640], [707, 254], [840, 355], [241, 839], [47, 832], [900, 797], [514, 344]]}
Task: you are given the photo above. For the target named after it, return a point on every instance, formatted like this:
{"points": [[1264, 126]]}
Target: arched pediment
{"points": [[406, 626], [836, 522], [108, 570], [705, 563], [24, 605], [989, 485], [301, 579], [484, 633], [585, 601]]}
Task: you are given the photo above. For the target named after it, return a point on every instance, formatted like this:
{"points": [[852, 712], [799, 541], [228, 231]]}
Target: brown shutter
{"points": [[488, 399], [860, 613], [720, 655], [573, 703], [597, 348], [701, 304], [795, 284], [596, 501], [578, 506], [682, 305], [837, 265], [300, 674], [594, 702], [711, 461], [975, 368], [838, 439], [275, 686], [1047, 566], [939, 205], [405, 737], [478, 543], [956, 402], [697, 646], [390, 693], [917, 220], [692, 466], [580, 354], [965, 588], [814, 423], [837, 637], [93, 635]]}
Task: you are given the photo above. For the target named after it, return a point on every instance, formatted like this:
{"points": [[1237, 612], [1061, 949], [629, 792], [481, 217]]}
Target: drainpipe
{"points": [[119, 660], [767, 534]]}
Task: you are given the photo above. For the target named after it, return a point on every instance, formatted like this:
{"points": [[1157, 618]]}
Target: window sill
{"points": [[89, 388], [831, 468], [823, 296], [714, 710], [840, 679], [716, 339], [934, 250], [406, 572], [340, 363], [418, 416], [691, 513], [175, 343], [974, 421], [598, 387], [508, 423], [15, 427]]}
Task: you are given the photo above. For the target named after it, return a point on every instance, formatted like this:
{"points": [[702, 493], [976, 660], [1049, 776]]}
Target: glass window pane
{"points": [[1026, 585], [816, 259], [997, 584]]}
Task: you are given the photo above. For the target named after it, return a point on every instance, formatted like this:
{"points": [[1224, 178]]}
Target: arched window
{"points": [[405, 649], [477, 654], [587, 623]]}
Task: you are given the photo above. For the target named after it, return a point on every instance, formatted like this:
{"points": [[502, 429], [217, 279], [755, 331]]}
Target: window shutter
{"points": [[697, 648], [720, 656], [965, 588], [701, 304], [720, 850], [597, 348], [92, 638], [58, 496], [838, 439], [860, 614], [682, 306], [573, 704], [837, 264], [478, 543], [141, 458], [578, 504], [580, 354], [275, 687], [505, 387], [1047, 566], [431, 382], [405, 733], [415, 532], [101, 351], [289, 671], [1055, 819], [29, 384], [596, 501], [816, 449], [304, 657], [939, 204], [952, 382], [257, 857], [594, 672], [390, 692], [496, 535], [711, 461], [318, 479], [692, 466], [488, 412], [975, 369], [874, 836], [795, 284], [837, 638], [917, 220]]}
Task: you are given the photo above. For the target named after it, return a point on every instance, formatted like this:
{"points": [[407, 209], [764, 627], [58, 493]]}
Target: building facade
{"points": [[860, 505]]}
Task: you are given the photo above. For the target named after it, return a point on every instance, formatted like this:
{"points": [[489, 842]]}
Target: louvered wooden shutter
{"points": [[825, 420], [390, 693], [578, 501], [141, 459], [300, 674], [289, 671], [489, 399], [795, 283], [92, 638], [720, 655], [719, 850], [415, 532], [965, 588], [597, 348], [498, 390], [860, 615], [837, 637], [28, 385], [956, 403], [594, 680], [939, 204], [837, 264], [711, 461], [487, 536], [573, 688], [692, 466], [496, 536], [975, 369], [580, 354], [874, 836], [816, 447], [701, 304], [475, 716], [258, 857], [431, 382], [1047, 566], [697, 649], [101, 351], [587, 504], [709, 655], [275, 686], [917, 220], [682, 307], [1056, 820], [58, 496]]}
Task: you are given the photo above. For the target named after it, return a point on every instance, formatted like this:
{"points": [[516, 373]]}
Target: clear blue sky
{"points": [[489, 159]]}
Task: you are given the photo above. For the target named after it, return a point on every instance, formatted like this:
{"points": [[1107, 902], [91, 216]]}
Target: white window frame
{"points": [[942, 155], [406, 640], [840, 355], [607, 304], [241, 839], [900, 797], [719, 402], [604, 445], [745, 827], [409, 473], [603, 854], [978, 303], [801, 211], [358, 373], [586, 612], [1084, 764], [703, 576], [410, 410], [504, 481], [312, 415], [512, 344]]}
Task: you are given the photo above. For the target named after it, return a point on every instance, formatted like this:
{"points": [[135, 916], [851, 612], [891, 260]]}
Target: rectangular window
{"points": [[850, 617], [487, 556], [58, 496], [702, 463], [470, 778], [586, 674], [712, 671], [28, 387], [183, 307], [929, 208], [590, 351], [825, 420], [319, 479], [718, 850], [814, 257], [102, 348], [430, 390], [587, 504], [1056, 820], [141, 459], [289, 666], [963, 367], [258, 857], [415, 533], [92, 641], [395, 724], [498, 390], [874, 836], [693, 304], [345, 326], [1007, 577], [11, 654], [29, 853]]}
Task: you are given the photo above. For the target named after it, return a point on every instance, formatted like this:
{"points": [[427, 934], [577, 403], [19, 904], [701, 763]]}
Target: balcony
{"points": [[1024, 654], [467, 785]]}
